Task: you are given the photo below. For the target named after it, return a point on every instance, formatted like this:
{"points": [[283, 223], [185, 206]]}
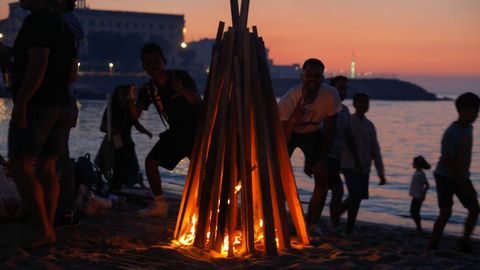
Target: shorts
{"points": [[45, 134], [357, 183], [309, 143], [446, 188], [334, 179], [173, 146]]}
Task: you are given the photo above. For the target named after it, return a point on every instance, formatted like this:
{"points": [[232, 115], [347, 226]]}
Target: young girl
{"points": [[418, 189]]}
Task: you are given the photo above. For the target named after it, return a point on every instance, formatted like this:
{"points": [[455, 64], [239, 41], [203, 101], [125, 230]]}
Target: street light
{"points": [[110, 67], [184, 45], [1, 36]]}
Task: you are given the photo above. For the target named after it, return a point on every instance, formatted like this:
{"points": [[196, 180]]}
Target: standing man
{"points": [[357, 169], [308, 114], [343, 137], [452, 174], [174, 95], [43, 53]]}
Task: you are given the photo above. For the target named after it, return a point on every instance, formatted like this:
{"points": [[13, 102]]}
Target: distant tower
{"points": [[82, 4], [352, 67]]}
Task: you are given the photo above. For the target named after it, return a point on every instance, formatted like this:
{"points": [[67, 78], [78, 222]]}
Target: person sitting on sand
{"points": [[452, 174], [174, 95], [418, 189], [357, 177], [308, 113], [125, 162]]}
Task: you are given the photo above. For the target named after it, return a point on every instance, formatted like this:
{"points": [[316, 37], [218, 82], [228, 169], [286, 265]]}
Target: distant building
{"points": [[113, 36]]}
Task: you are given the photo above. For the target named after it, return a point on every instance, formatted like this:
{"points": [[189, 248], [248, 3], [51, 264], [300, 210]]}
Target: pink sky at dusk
{"points": [[408, 37]]}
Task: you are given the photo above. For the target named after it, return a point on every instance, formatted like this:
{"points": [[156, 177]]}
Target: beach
{"points": [[123, 240]]}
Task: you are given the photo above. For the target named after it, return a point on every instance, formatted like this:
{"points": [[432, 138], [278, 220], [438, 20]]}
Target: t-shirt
{"points": [[365, 136], [417, 187], [327, 103], [175, 108], [342, 123], [45, 29], [456, 141]]}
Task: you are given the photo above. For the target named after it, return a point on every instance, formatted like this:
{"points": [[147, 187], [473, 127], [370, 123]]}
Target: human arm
{"points": [[35, 72], [184, 84], [377, 157]]}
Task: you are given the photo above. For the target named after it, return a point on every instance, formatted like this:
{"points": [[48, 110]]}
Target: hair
{"points": [[152, 48], [421, 162], [467, 101], [314, 62], [337, 79], [360, 95]]}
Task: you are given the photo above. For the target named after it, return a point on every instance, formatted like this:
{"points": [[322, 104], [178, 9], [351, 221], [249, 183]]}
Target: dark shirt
{"points": [[45, 29], [175, 108]]}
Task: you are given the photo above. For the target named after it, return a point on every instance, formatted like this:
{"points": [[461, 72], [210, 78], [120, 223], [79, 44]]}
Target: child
{"points": [[418, 189], [452, 175], [357, 174]]}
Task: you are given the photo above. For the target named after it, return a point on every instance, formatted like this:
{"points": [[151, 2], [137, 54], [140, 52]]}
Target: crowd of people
{"points": [[333, 141]]}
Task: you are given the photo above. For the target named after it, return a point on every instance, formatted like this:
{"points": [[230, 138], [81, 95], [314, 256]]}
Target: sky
{"points": [[421, 40]]}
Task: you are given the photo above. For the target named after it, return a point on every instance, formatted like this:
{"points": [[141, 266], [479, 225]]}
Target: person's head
{"points": [[361, 103], [312, 75], [66, 6], [467, 105], [153, 61], [32, 5], [419, 162], [120, 94], [341, 83]]}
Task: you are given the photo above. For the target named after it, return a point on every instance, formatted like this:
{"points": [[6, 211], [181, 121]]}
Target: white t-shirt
{"points": [[417, 187], [327, 103]]}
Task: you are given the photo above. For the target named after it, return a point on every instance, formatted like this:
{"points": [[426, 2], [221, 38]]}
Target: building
{"points": [[114, 37]]}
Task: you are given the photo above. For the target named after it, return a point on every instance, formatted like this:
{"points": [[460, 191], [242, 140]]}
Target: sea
{"points": [[405, 129]]}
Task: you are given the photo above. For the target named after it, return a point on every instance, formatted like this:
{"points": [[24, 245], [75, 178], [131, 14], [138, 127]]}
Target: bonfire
{"points": [[240, 180]]}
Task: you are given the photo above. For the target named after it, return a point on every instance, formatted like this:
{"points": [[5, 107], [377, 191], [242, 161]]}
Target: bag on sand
{"points": [[88, 174], [10, 201]]}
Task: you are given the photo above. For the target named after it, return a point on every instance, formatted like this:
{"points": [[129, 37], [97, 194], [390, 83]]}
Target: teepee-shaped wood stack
{"points": [[240, 173]]}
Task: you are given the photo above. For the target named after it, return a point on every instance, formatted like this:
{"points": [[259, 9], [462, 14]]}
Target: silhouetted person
{"points": [[357, 177], [418, 189], [452, 174], [308, 115], [125, 162], [66, 214], [44, 52], [174, 95], [343, 137]]}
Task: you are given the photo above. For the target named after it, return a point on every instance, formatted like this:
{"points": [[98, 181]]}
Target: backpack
{"points": [[88, 174]]}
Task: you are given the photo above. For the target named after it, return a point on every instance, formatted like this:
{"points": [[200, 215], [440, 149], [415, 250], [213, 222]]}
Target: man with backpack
{"points": [[174, 95]]}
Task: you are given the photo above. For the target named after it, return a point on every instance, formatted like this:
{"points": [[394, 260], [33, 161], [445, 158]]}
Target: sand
{"points": [[123, 240]]}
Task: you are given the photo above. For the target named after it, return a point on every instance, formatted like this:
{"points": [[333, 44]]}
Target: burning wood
{"points": [[240, 173]]}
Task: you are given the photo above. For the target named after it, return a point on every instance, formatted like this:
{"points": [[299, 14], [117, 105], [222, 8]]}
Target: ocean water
{"points": [[405, 129]]}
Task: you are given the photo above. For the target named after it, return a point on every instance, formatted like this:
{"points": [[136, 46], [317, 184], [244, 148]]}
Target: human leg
{"points": [[415, 212]]}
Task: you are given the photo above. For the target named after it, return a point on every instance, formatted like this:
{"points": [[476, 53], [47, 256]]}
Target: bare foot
{"points": [[40, 240]]}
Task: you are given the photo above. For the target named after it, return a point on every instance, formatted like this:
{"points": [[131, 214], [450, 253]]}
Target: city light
{"points": [[184, 45], [1, 36], [110, 67], [184, 30]]}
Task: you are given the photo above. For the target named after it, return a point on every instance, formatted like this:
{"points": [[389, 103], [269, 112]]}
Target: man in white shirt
{"points": [[308, 114]]}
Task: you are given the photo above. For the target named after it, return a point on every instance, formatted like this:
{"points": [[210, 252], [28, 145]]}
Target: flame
{"points": [[238, 187], [188, 238]]}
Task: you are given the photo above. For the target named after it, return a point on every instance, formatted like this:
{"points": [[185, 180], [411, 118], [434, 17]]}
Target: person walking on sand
{"points": [[343, 137], [452, 174], [418, 189], [174, 95], [44, 54], [308, 113], [357, 177]]}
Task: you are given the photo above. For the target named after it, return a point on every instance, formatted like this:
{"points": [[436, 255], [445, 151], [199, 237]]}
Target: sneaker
{"points": [[315, 230], [158, 208]]}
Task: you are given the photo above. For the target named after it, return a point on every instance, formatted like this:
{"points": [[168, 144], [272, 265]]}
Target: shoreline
{"points": [[123, 240]]}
